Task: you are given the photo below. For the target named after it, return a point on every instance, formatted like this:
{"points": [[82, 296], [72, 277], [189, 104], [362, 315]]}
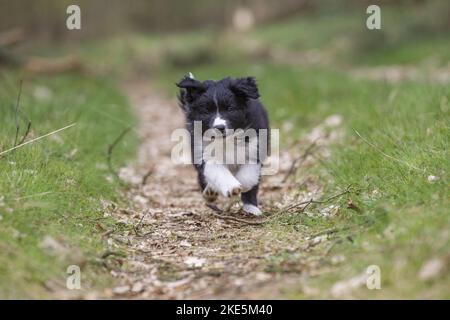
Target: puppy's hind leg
{"points": [[250, 201]]}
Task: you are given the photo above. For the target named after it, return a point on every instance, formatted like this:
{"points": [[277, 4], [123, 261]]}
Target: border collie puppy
{"points": [[229, 160]]}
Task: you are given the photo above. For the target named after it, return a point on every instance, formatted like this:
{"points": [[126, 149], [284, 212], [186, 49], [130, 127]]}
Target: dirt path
{"points": [[175, 246]]}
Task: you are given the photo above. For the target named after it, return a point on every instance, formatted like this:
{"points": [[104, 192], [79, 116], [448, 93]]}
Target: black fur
{"points": [[237, 100]]}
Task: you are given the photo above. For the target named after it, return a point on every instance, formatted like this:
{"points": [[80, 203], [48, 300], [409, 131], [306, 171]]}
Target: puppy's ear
{"points": [[191, 89], [245, 88]]}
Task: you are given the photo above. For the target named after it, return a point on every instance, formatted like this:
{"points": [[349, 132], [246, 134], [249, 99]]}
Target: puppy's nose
{"points": [[220, 127]]}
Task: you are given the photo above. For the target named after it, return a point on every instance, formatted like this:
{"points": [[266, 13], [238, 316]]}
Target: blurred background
{"points": [[179, 33]]}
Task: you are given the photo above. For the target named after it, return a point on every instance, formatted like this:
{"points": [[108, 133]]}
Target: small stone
{"points": [[185, 243], [42, 93], [345, 287], [137, 287], [431, 269], [52, 247], [121, 290], [195, 262], [333, 120], [262, 276]]}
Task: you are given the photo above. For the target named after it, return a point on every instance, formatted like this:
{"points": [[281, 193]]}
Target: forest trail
{"points": [[177, 248]]}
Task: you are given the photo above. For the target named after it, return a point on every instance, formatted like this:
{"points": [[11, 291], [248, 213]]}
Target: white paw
{"points": [[220, 179], [251, 209], [231, 190]]}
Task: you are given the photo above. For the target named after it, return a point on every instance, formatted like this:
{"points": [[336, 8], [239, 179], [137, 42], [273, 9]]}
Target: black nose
{"points": [[220, 127]]}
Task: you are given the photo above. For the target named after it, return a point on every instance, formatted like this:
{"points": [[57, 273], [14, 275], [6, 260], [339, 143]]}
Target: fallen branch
{"points": [[308, 202], [219, 213], [52, 65], [40, 64], [110, 152], [36, 139]]}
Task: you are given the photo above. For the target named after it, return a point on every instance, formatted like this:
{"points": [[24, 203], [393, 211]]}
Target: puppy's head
{"points": [[220, 105]]}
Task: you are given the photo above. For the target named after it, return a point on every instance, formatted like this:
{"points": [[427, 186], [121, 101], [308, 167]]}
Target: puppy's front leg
{"points": [[248, 175], [220, 179]]}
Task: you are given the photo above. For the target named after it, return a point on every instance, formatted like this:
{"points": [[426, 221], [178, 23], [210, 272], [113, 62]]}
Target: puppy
{"points": [[229, 127]]}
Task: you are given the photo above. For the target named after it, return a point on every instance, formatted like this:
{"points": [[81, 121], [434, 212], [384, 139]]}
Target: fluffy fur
{"points": [[225, 105]]}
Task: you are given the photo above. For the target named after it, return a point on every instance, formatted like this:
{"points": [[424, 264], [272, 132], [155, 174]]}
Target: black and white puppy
{"points": [[231, 108]]}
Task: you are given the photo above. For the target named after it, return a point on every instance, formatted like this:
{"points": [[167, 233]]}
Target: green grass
{"points": [[52, 187], [335, 37], [408, 35], [404, 220]]}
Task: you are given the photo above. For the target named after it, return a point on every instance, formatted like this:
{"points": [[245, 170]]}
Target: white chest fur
{"points": [[233, 150], [231, 164]]}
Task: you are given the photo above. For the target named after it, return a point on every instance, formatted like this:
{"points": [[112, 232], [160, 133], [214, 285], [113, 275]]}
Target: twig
{"points": [[330, 247], [36, 139], [387, 155], [107, 233], [217, 212], [16, 117], [147, 175], [301, 158], [308, 202], [137, 227], [111, 149], [334, 230], [34, 195], [108, 253], [25, 135], [326, 231], [17, 114]]}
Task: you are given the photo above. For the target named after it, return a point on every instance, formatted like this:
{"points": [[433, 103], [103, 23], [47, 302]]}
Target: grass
{"points": [[396, 135], [403, 139], [407, 36], [53, 187]]}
